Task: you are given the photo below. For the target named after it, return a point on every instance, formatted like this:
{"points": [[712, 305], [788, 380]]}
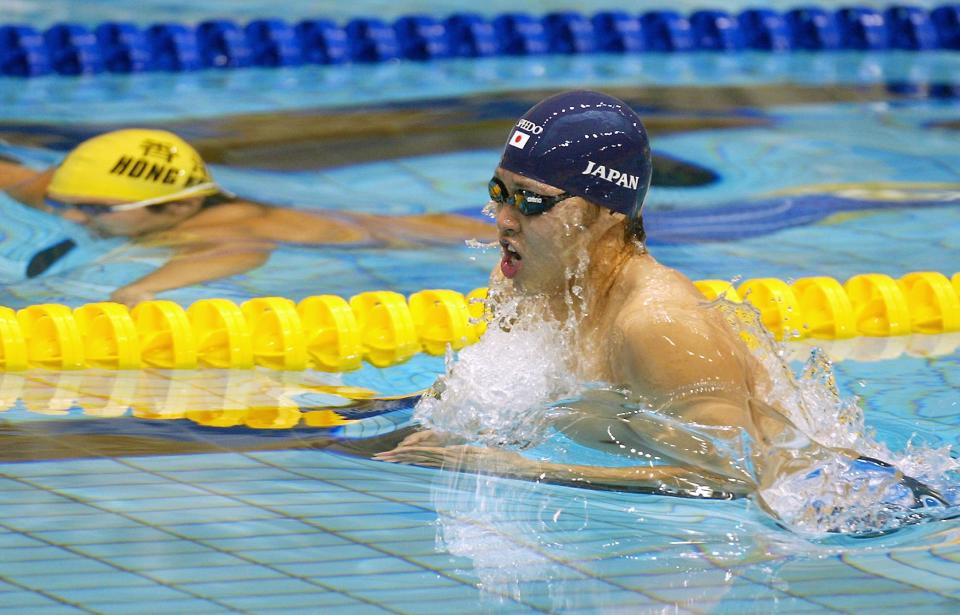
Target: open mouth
{"points": [[510, 262]]}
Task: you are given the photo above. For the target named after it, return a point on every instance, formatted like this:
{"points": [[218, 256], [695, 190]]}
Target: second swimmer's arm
{"points": [[23, 183], [195, 267]]}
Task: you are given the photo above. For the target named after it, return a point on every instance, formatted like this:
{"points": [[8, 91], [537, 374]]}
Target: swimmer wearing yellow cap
{"points": [[153, 186]]}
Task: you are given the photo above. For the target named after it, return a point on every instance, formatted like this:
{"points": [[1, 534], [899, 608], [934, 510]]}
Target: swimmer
{"points": [[153, 187], [568, 194]]}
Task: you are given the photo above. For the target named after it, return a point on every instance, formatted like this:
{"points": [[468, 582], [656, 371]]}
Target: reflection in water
{"points": [[622, 553], [211, 397], [570, 550], [154, 412]]}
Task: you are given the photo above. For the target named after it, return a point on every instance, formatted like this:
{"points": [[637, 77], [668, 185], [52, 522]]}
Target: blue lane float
{"points": [[120, 47]]}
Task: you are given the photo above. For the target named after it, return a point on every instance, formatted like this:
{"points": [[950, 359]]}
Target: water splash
{"points": [[853, 484], [500, 390]]}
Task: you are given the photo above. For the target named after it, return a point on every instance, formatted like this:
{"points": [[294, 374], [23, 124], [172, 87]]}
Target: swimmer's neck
{"points": [[607, 281], [613, 256]]}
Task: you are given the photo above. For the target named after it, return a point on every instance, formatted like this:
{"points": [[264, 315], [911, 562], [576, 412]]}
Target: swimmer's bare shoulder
{"points": [[231, 213], [657, 296], [666, 344]]}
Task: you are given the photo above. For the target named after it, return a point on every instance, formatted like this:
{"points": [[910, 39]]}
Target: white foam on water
{"points": [[500, 389]]}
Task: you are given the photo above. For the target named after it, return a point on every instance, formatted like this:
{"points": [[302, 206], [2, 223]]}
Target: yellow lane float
{"points": [[329, 333]]}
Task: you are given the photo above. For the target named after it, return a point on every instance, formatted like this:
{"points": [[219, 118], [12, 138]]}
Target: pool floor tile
{"points": [[94, 522], [123, 535], [165, 607], [55, 582], [224, 590], [841, 585], [67, 566], [761, 604], [188, 463], [16, 598], [168, 546], [356, 608], [264, 529], [149, 562], [476, 606], [417, 529], [238, 572], [313, 555], [34, 554], [363, 585], [44, 609], [900, 601], [335, 569], [228, 514], [421, 548], [313, 600], [313, 539], [83, 467], [151, 593]]}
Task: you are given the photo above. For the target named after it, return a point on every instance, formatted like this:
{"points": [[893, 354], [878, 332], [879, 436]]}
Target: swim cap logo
{"points": [[613, 176], [529, 127], [149, 170], [519, 139]]}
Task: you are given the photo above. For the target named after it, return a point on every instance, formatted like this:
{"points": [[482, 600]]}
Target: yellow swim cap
{"points": [[134, 165]]}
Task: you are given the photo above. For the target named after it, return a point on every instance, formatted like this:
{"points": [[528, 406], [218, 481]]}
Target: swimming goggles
{"points": [[99, 209], [529, 203]]}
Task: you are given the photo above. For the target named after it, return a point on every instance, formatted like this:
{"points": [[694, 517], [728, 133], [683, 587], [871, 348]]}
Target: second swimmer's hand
{"points": [[131, 295]]}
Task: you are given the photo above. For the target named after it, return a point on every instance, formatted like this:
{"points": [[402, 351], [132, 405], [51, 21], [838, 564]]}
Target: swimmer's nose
{"points": [[508, 219]]}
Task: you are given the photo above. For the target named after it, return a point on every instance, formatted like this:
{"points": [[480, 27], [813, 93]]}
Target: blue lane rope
{"points": [[120, 47]]}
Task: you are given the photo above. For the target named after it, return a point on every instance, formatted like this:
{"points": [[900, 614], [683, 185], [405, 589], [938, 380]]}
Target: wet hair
{"points": [[635, 230]]}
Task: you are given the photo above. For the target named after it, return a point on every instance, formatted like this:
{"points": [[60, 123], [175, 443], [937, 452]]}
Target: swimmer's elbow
{"points": [[248, 260]]}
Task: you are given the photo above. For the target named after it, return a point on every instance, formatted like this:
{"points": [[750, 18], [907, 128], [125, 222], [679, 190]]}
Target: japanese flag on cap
{"points": [[519, 139]]}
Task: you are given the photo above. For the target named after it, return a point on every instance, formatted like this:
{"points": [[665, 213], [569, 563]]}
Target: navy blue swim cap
{"points": [[586, 143]]}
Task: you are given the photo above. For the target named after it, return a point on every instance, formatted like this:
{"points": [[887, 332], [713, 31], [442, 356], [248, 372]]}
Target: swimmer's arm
{"points": [[195, 266], [695, 386], [24, 184], [675, 480], [665, 479]]}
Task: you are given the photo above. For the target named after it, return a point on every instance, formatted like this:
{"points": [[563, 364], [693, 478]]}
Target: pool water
{"points": [[818, 167]]}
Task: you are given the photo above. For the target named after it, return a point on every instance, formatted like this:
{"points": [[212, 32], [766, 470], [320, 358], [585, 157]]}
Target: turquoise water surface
{"points": [[798, 145]]}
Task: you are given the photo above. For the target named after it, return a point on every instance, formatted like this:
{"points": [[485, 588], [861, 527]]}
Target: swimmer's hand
{"points": [[131, 295], [430, 437], [463, 458]]}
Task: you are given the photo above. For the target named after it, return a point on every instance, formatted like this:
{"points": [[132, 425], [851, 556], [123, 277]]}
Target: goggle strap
{"points": [[176, 196]]}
